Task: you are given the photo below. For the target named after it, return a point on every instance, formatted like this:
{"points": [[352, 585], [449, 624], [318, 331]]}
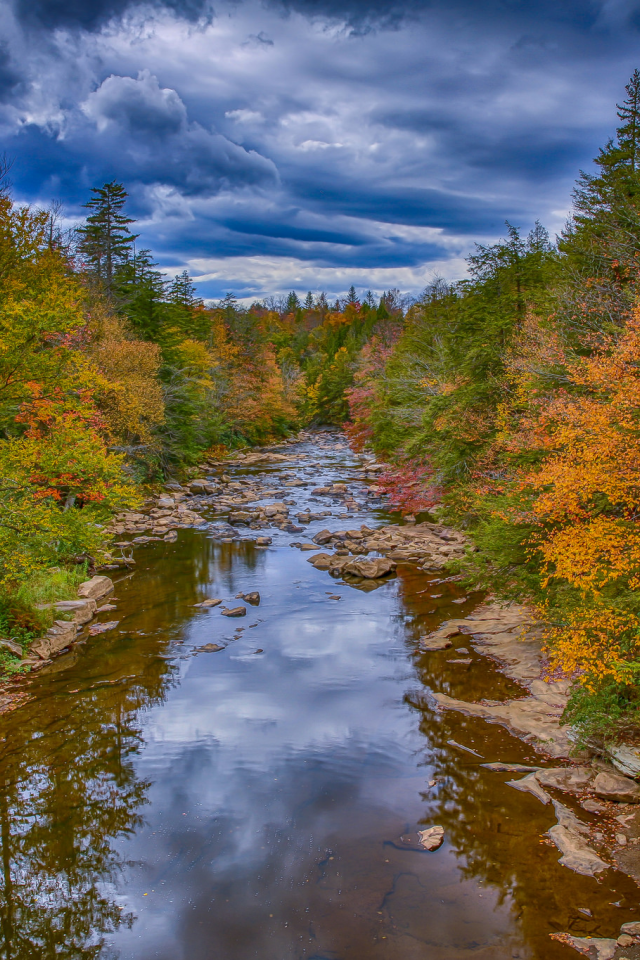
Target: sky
{"points": [[270, 145]]}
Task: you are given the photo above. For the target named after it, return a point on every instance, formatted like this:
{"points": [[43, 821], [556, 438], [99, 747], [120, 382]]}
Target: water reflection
{"points": [[161, 802]]}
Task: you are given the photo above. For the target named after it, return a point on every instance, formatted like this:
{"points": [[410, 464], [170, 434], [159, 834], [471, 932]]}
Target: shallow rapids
{"points": [[189, 786]]}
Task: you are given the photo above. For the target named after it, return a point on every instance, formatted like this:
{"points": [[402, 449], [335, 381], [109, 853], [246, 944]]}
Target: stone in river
{"points": [[263, 541], [96, 588], [102, 627], [430, 644], [252, 598], [613, 786], [632, 928], [370, 569], [234, 612], [209, 648], [212, 602], [431, 838], [321, 561]]}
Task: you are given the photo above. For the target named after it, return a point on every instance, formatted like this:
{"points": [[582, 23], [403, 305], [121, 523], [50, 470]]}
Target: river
{"points": [[161, 801]]}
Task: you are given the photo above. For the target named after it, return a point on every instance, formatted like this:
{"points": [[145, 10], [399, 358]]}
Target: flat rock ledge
{"points": [[509, 634]]}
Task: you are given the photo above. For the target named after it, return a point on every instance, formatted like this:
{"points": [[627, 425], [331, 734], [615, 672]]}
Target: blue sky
{"points": [[311, 144]]}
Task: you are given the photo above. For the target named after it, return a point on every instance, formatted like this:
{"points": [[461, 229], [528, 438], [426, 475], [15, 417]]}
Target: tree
{"points": [[182, 291], [352, 296], [308, 301], [293, 302], [105, 239]]}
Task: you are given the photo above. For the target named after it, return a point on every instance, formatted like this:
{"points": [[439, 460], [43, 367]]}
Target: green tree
{"points": [[293, 303], [105, 239], [308, 301]]}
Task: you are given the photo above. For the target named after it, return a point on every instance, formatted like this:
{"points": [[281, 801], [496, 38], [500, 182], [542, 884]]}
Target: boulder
{"points": [[12, 647], [96, 588], [632, 928], [568, 779], [323, 537], [165, 503], [81, 610], [626, 759], [212, 602], [370, 569], [57, 637], [321, 561], [613, 786]]}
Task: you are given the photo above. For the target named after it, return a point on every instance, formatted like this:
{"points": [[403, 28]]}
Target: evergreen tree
{"points": [[182, 291], [308, 301], [322, 303], [370, 299], [293, 302], [352, 296], [140, 290], [105, 239], [603, 237]]}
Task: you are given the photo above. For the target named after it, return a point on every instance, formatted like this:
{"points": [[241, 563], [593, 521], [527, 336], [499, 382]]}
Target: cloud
{"points": [[159, 144], [355, 136]]}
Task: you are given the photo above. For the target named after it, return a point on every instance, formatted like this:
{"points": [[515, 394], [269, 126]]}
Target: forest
{"points": [[506, 404]]}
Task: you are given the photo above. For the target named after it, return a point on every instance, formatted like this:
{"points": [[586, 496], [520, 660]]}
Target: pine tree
{"points": [[370, 299], [293, 303], [352, 296], [183, 291], [322, 303], [105, 239], [308, 301]]}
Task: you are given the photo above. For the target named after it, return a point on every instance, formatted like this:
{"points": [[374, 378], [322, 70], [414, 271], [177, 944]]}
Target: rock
{"points": [[624, 940], [370, 569], [57, 637], [593, 806], [97, 628], [632, 928], [234, 612], [292, 528], [464, 661], [81, 610], [568, 779], [431, 838], [605, 949], [510, 767], [577, 855], [530, 785], [613, 786], [321, 561], [429, 644], [96, 588], [171, 537], [626, 759], [308, 546], [252, 598], [211, 602], [166, 503], [263, 541], [12, 647], [209, 648]]}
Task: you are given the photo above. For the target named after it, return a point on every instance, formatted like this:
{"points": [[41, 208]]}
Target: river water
{"points": [[161, 802]]}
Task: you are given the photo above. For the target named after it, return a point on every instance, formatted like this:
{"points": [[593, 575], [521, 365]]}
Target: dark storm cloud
{"points": [[355, 134], [91, 14]]}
